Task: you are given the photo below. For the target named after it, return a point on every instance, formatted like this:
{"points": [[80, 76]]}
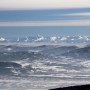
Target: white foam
{"points": [[53, 38], [2, 39], [86, 38], [63, 38], [72, 39], [16, 72], [23, 63], [9, 49], [18, 39], [40, 38], [26, 40], [80, 37], [85, 63]]}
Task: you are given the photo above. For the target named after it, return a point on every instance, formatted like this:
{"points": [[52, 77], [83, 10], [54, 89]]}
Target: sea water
{"points": [[42, 63]]}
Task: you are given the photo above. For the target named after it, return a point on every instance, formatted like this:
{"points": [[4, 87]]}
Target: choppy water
{"points": [[41, 67]]}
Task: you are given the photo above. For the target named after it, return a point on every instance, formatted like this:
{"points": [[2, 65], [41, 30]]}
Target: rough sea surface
{"points": [[44, 63]]}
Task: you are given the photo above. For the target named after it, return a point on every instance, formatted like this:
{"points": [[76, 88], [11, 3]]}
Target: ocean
{"points": [[42, 63], [44, 49]]}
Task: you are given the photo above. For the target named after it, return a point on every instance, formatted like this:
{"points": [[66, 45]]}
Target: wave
{"points": [[14, 68], [9, 65], [43, 59], [79, 53], [43, 39], [14, 52]]}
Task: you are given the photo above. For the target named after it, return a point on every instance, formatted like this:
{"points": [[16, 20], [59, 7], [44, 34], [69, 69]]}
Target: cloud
{"points": [[76, 14], [43, 4], [46, 23]]}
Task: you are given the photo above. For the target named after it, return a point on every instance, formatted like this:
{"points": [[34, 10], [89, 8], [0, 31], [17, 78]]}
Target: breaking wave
{"points": [[44, 39], [43, 59], [44, 64]]}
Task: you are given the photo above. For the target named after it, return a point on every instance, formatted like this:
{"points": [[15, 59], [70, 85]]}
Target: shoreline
{"points": [[77, 87]]}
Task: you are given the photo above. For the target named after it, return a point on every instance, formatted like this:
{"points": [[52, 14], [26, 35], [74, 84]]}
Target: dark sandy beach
{"points": [[80, 87]]}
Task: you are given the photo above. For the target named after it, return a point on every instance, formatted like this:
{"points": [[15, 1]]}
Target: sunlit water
{"points": [[26, 66]]}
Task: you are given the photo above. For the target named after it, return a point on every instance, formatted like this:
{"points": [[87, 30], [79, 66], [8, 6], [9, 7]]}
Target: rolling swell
{"points": [[79, 53], [69, 51], [37, 52], [43, 55], [9, 64], [19, 55], [13, 68]]}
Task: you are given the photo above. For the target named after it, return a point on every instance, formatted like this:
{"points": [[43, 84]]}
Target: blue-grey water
{"points": [[41, 63], [44, 57]]}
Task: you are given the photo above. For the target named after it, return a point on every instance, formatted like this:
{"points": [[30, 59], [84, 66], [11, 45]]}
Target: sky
{"points": [[45, 17], [43, 4]]}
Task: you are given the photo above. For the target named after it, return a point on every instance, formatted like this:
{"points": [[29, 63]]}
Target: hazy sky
{"points": [[43, 4]]}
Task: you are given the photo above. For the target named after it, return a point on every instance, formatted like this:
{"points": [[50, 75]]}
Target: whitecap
{"points": [[63, 38], [26, 40], [80, 37], [40, 38], [53, 38], [2, 39]]}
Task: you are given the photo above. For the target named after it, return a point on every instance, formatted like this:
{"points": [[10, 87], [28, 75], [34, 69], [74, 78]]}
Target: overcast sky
{"points": [[43, 4]]}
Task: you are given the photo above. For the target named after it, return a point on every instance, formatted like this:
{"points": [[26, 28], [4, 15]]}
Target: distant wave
{"points": [[52, 39]]}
